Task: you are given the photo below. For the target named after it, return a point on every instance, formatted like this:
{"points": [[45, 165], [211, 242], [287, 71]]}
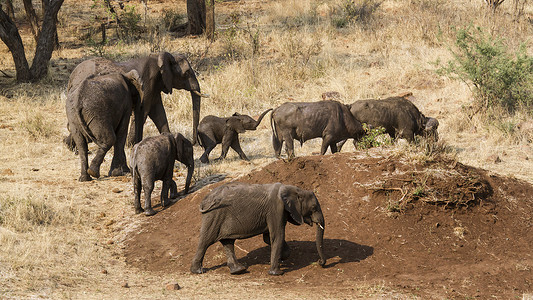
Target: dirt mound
{"points": [[436, 228]]}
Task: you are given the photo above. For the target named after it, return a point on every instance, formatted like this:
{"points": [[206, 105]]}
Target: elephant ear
{"points": [[235, 124], [290, 197], [165, 62], [134, 78]]}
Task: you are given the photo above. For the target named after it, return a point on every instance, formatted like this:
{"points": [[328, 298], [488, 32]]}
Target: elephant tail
{"points": [[84, 126]]}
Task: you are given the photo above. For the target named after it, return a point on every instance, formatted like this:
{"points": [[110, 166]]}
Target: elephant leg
{"points": [[83, 153], [233, 264], [158, 115], [276, 244], [165, 190], [137, 192], [285, 250], [173, 190], [148, 187], [341, 144], [208, 143], [130, 141], [236, 145], [227, 140], [119, 166], [205, 240]]}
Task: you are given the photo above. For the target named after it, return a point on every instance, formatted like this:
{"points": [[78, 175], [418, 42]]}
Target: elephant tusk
{"points": [[320, 226], [200, 94]]}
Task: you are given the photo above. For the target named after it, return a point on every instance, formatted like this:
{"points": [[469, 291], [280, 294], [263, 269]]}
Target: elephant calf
{"points": [[215, 130], [303, 121], [239, 211], [153, 159]]}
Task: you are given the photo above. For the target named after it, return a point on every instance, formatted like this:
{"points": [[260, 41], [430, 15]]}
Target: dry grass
{"points": [[57, 236]]}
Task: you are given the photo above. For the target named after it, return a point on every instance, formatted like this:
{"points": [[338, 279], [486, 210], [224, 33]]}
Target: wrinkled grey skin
{"points": [[330, 120], [215, 130], [158, 73], [99, 110], [153, 159], [399, 116], [239, 211]]}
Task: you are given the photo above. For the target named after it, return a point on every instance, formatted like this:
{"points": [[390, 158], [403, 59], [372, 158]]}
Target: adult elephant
{"points": [[158, 73], [99, 110]]}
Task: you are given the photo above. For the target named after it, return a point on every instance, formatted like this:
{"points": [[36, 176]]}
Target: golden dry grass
{"points": [[57, 236]]}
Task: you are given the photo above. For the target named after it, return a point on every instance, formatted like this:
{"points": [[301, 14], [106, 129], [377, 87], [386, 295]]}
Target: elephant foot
{"points": [[118, 172], [149, 212], [165, 203], [236, 269], [275, 272], [93, 173], [138, 210], [322, 262], [197, 270], [85, 177]]}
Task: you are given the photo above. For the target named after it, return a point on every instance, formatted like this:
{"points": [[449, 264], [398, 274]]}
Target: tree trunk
{"points": [[196, 15], [10, 11], [11, 37], [32, 18], [210, 20], [47, 38]]}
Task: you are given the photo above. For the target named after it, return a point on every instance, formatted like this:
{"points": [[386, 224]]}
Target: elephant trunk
{"points": [[318, 218], [261, 118], [190, 171], [196, 99]]}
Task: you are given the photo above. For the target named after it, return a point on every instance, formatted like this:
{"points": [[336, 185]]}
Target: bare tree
{"points": [[45, 42], [201, 17]]}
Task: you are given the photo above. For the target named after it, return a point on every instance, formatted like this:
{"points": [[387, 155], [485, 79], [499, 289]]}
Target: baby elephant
{"points": [[153, 159], [214, 130], [239, 211]]}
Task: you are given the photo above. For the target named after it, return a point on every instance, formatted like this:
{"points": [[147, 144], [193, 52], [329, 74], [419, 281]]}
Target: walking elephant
{"points": [[239, 211], [303, 121], [153, 159], [160, 72], [214, 130], [99, 110]]}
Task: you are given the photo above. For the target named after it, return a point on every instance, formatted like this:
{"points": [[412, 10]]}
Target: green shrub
{"points": [[499, 79], [374, 137], [172, 18], [129, 24]]}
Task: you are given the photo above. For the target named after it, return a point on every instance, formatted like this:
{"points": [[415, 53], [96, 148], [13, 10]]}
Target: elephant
{"points": [[214, 130], [99, 110], [153, 159], [158, 73], [399, 116], [303, 121], [240, 211]]}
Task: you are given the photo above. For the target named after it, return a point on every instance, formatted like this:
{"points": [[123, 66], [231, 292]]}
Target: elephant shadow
{"points": [[304, 253]]}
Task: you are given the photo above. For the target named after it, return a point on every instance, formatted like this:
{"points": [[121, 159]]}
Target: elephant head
{"points": [[184, 154], [248, 123], [176, 72], [303, 207]]}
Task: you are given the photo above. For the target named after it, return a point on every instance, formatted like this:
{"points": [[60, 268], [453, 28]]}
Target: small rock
{"points": [[7, 172], [35, 169], [125, 285], [110, 242], [116, 190], [104, 271], [173, 286]]}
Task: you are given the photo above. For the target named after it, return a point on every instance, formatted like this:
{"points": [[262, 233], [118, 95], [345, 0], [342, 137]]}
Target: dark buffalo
{"points": [[399, 116]]}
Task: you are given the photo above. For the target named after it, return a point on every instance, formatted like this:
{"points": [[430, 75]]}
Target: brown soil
{"points": [[432, 229]]}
